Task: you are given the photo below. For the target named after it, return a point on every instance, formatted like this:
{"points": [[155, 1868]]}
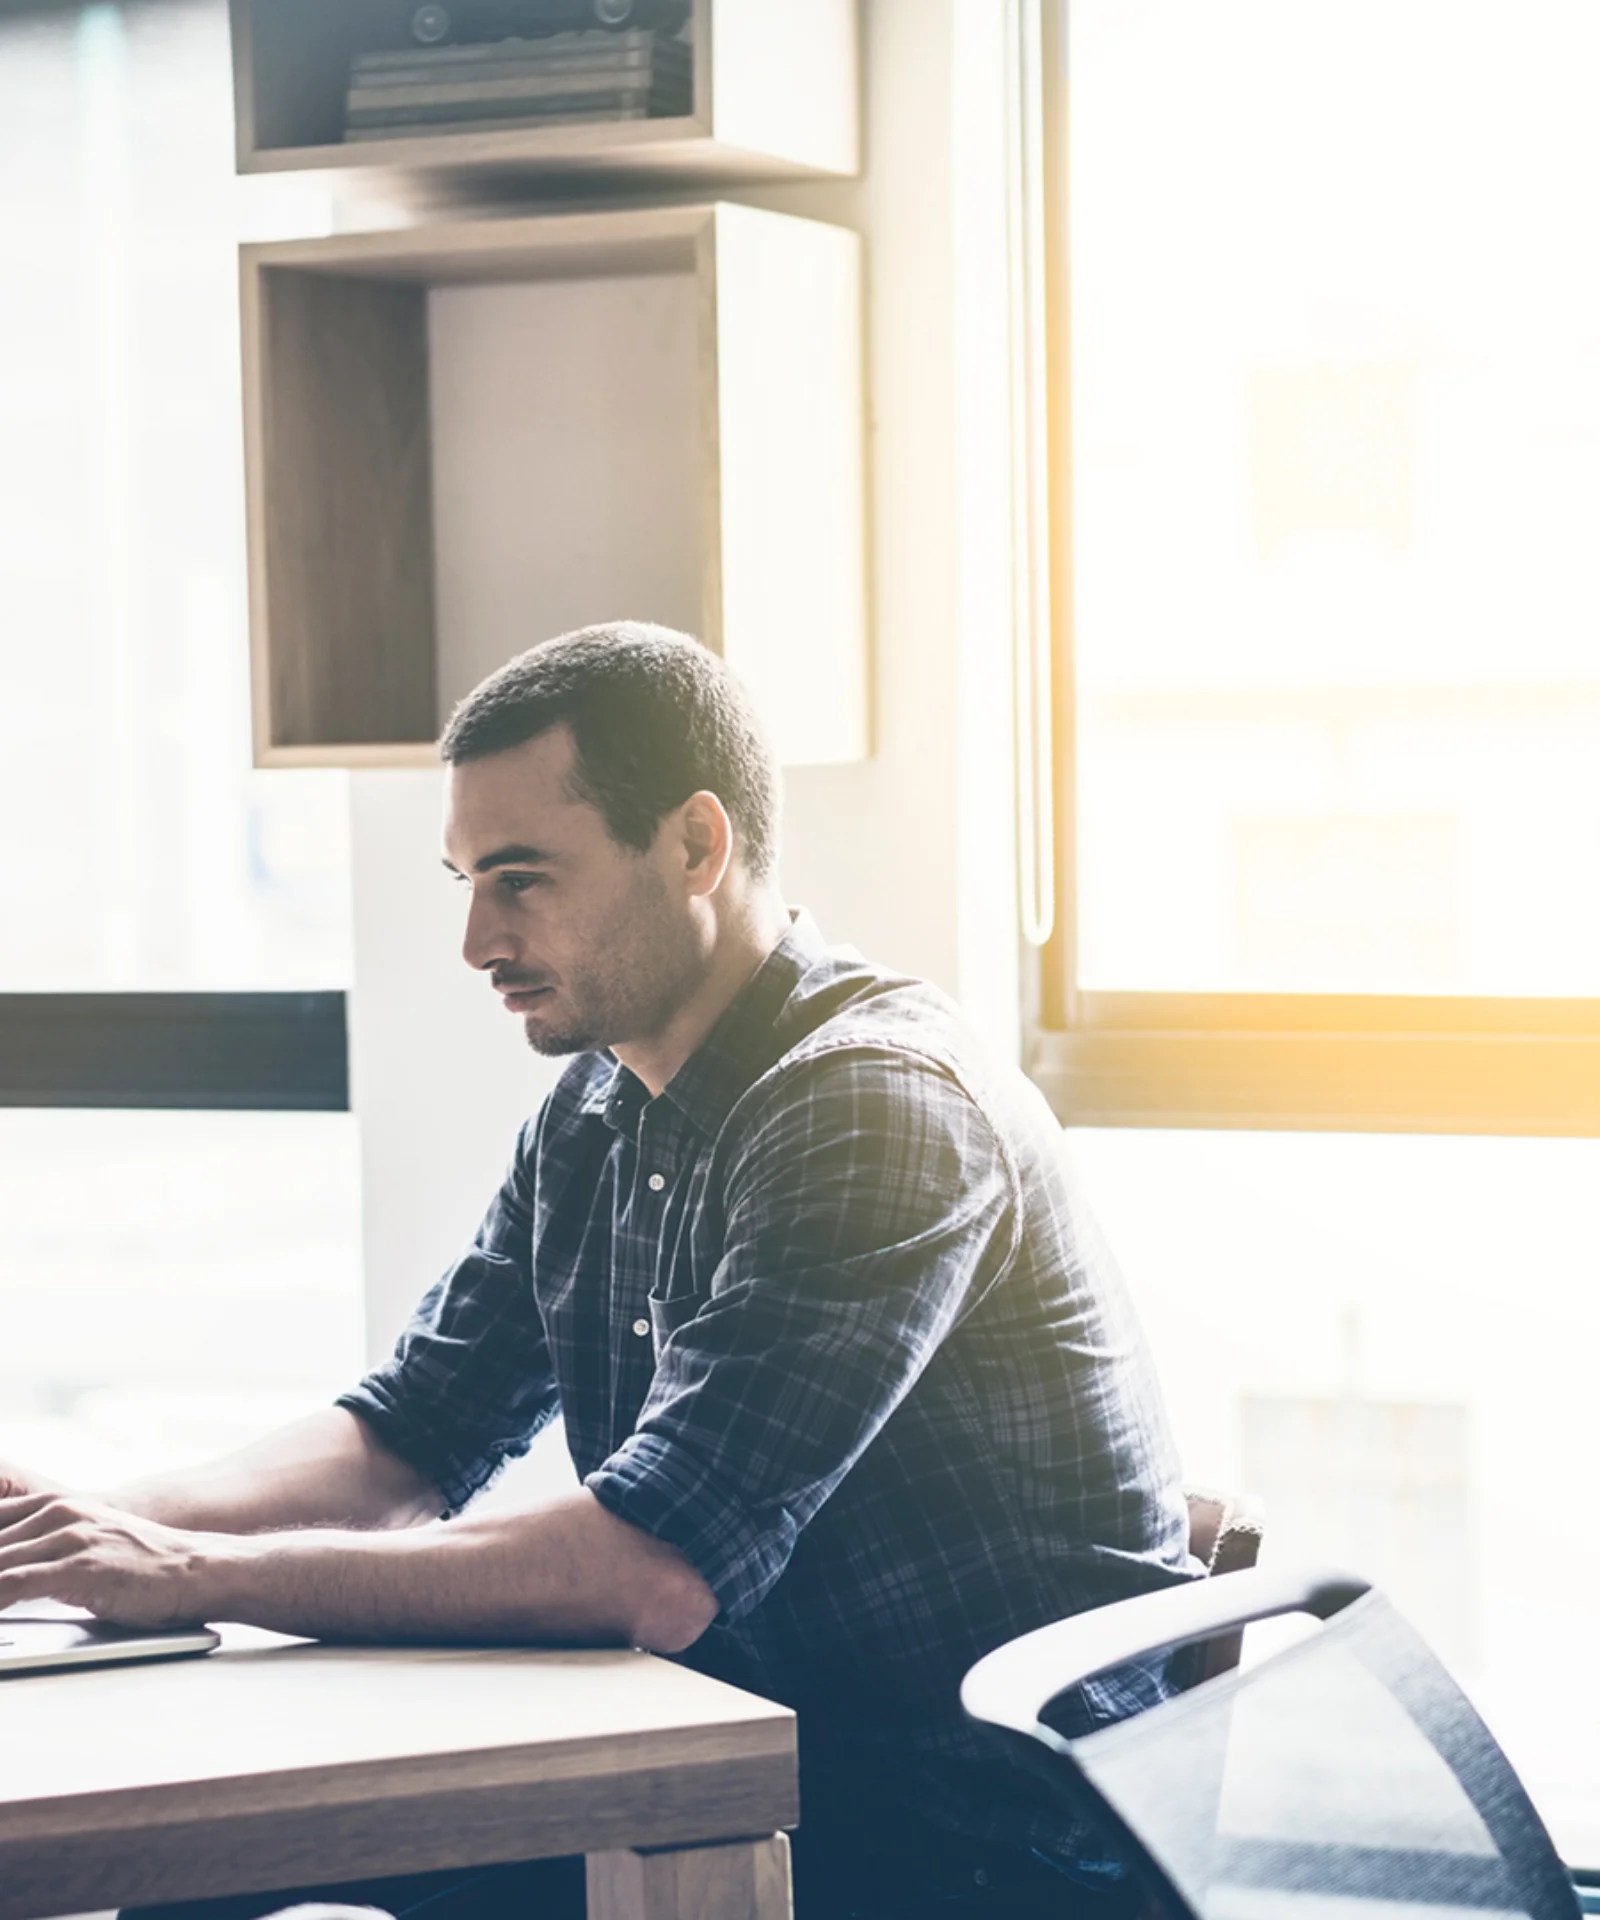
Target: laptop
{"points": [[42, 1639]]}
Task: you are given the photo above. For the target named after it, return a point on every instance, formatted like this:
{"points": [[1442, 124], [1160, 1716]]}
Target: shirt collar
{"points": [[737, 1050], [609, 1079], [745, 1041]]}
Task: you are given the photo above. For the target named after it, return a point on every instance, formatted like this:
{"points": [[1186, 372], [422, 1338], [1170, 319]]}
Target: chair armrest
{"points": [[1011, 1686]]}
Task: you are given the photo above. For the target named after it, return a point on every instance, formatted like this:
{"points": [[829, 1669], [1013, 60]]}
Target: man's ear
{"points": [[707, 835]]}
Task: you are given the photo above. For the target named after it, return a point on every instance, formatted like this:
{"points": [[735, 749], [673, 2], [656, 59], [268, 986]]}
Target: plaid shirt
{"points": [[828, 1317]]}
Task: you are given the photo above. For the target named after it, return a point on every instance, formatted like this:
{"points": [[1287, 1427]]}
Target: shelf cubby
{"points": [[464, 438], [775, 96]]}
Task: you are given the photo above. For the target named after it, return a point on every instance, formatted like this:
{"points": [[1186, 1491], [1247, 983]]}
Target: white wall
{"points": [[909, 855], [440, 1076]]}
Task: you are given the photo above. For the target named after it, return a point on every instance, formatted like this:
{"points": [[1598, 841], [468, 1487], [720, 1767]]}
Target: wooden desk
{"points": [[279, 1763]]}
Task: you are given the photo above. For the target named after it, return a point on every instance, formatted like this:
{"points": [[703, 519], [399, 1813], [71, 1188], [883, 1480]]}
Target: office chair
{"points": [[1224, 1529], [1224, 1536], [1346, 1773]]}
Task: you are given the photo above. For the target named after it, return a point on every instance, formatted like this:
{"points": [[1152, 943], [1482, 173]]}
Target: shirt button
{"points": [[641, 1327], [656, 1182]]}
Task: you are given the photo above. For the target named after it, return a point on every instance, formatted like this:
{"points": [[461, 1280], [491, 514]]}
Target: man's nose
{"points": [[487, 941]]}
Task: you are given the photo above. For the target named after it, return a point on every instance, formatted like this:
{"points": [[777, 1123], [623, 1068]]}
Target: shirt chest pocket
{"points": [[671, 1311]]}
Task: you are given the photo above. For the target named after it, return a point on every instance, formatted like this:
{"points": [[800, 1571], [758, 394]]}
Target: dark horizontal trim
{"points": [[1454, 1082], [258, 1052]]}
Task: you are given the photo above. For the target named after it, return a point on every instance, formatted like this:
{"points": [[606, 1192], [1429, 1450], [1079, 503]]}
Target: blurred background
{"points": [[1335, 341]]}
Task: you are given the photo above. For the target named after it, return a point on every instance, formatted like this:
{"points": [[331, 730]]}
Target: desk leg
{"points": [[747, 1880]]}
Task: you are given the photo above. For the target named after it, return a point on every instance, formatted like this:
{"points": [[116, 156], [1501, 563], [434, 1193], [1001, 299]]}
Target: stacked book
{"points": [[628, 75]]}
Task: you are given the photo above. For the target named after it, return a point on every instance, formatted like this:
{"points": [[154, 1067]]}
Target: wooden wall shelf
{"points": [[461, 439], [775, 96]]}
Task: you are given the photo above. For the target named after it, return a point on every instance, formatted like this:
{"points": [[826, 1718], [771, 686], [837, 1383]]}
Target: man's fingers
{"points": [[42, 1550], [20, 1507], [58, 1547], [35, 1583], [27, 1519], [45, 1531]]}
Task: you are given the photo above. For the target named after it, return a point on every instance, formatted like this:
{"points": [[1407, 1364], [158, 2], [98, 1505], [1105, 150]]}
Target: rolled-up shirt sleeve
{"points": [[470, 1381], [869, 1203]]}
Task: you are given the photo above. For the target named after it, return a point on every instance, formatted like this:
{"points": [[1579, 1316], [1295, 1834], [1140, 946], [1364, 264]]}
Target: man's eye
{"points": [[520, 882]]}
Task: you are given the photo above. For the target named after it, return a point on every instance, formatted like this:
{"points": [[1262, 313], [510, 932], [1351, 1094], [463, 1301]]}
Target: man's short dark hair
{"points": [[654, 717]]}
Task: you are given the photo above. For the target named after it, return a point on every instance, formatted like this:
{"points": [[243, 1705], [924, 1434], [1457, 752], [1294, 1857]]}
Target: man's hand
{"points": [[60, 1546]]}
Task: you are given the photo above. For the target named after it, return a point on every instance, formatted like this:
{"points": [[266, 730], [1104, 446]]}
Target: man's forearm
{"points": [[566, 1571], [347, 1567], [327, 1470]]}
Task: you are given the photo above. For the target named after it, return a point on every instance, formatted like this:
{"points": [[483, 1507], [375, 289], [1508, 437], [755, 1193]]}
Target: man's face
{"points": [[593, 944]]}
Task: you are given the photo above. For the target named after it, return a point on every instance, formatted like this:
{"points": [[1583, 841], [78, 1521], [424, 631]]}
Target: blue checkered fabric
{"points": [[829, 1317]]}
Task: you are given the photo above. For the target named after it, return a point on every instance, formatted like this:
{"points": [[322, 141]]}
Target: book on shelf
{"points": [[518, 83], [391, 84], [556, 49], [449, 120], [632, 101], [579, 116], [519, 87]]}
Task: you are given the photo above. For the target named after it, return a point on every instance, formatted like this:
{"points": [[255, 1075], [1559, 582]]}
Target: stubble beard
{"points": [[615, 1017], [554, 1045], [652, 970]]}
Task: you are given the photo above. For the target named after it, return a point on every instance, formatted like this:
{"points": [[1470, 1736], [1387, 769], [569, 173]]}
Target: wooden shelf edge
{"points": [[582, 140], [355, 756], [672, 147], [494, 239]]}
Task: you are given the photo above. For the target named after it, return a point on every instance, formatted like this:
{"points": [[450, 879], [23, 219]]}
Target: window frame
{"points": [[1345, 1062], [234, 1052]]}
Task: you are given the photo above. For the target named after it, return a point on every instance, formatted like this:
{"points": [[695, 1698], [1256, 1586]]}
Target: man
{"points": [[852, 1396]]}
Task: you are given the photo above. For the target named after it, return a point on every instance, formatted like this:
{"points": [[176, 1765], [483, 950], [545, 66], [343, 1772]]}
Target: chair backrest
{"points": [[1225, 1537], [1346, 1775], [1224, 1529]]}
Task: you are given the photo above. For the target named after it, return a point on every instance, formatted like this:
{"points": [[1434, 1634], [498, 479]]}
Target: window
{"points": [[141, 850], [176, 926], [1330, 619], [1321, 319]]}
